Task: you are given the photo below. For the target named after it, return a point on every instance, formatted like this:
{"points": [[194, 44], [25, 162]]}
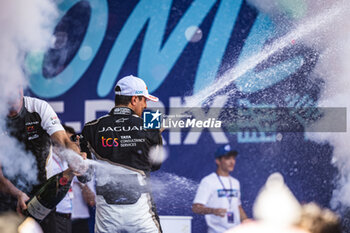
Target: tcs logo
{"points": [[109, 142]]}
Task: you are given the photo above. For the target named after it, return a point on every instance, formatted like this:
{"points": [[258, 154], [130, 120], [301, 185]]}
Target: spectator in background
{"points": [[219, 196], [276, 210], [317, 220], [84, 196], [262, 227], [83, 202], [61, 221]]}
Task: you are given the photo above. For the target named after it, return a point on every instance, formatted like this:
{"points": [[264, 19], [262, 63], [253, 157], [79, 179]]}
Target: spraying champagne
{"points": [[49, 195]]}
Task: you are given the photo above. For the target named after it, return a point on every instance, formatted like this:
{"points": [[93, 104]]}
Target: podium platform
{"points": [[176, 224]]}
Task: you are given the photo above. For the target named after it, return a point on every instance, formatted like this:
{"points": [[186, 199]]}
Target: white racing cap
{"points": [[133, 86]]}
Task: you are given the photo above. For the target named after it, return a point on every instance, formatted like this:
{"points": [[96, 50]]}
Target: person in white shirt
{"points": [[218, 196], [62, 220], [84, 195]]}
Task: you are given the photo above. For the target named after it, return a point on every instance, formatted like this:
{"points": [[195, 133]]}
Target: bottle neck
{"points": [[68, 173]]}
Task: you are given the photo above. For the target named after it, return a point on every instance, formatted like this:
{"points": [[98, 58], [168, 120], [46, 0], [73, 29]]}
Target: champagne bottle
{"points": [[48, 196]]}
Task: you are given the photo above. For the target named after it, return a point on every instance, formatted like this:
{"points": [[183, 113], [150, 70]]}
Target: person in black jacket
{"points": [[123, 201], [35, 125]]}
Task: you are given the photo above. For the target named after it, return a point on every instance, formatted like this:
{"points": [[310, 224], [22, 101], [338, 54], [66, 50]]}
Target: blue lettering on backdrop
{"points": [[216, 44], [56, 86], [156, 61]]}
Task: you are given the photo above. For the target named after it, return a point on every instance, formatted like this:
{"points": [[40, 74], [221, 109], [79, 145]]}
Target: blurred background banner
{"points": [[213, 54]]}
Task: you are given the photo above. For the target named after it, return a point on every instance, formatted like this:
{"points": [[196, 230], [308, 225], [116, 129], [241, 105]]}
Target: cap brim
{"points": [[228, 154], [152, 98]]}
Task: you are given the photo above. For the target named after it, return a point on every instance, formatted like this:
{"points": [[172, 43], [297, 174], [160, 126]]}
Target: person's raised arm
{"points": [[61, 138]]}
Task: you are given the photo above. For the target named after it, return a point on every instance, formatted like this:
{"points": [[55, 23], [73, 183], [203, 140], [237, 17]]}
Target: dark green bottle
{"points": [[48, 196]]}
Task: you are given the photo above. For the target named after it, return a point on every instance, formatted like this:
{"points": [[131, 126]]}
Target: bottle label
{"points": [[63, 181], [37, 210]]}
